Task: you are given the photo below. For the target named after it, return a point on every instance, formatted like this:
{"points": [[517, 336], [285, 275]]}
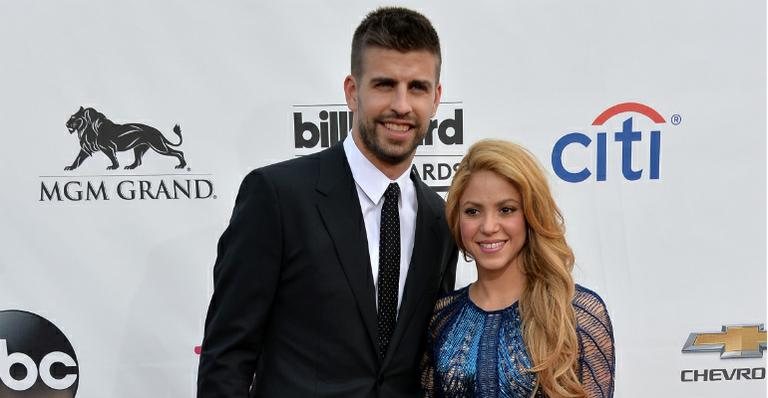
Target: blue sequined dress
{"points": [[477, 353]]}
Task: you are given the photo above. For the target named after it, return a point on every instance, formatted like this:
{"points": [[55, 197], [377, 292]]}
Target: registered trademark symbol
{"points": [[215, 197], [676, 119], [189, 169]]}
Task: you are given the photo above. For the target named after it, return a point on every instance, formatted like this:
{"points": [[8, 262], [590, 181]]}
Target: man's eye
{"points": [[418, 88]]}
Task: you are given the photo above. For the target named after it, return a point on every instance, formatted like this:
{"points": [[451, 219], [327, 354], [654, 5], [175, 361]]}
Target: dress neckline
{"points": [[510, 307]]}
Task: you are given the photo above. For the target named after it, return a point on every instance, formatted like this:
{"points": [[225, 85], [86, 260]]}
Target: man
{"points": [[328, 272]]}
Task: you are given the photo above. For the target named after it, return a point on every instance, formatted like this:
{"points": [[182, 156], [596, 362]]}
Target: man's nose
{"points": [[401, 103]]}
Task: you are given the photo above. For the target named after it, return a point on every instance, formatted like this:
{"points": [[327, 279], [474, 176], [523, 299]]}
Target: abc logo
{"points": [[36, 359]]}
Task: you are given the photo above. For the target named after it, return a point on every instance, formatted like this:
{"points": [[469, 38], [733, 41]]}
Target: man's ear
{"points": [[350, 92]]}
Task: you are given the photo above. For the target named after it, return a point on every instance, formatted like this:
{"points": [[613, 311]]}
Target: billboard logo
{"points": [[36, 359], [735, 341], [321, 126], [333, 127], [625, 138], [317, 127], [96, 133]]}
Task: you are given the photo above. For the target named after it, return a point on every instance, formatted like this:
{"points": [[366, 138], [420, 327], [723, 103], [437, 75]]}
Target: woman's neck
{"points": [[497, 289]]}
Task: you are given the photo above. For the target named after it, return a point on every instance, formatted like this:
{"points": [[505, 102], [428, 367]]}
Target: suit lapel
{"points": [[421, 268], [339, 208]]}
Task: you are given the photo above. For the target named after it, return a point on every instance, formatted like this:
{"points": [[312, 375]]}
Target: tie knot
{"points": [[392, 192]]}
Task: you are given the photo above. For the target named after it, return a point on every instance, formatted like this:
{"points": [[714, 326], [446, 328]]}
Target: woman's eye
{"points": [[508, 210], [470, 212]]}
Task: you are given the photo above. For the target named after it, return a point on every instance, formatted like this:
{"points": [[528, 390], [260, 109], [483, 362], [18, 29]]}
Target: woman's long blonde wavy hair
{"points": [[549, 325]]}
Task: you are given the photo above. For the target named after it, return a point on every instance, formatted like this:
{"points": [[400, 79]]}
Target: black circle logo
{"points": [[36, 359]]}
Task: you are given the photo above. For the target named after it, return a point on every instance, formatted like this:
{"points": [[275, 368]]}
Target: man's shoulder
{"points": [[429, 194], [300, 170]]}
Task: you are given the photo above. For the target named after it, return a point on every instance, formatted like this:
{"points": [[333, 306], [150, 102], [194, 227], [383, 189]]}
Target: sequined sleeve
{"points": [[428, 372], [597, 362], [440, 317]]}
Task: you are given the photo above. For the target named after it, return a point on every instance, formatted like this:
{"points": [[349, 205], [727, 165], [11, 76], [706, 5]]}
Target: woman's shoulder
{"points": [[446, 308], [591, 311], [585, 297], [451, 299]]}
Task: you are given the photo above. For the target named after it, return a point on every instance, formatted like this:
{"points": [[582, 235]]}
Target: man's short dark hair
{"points": [[394, 28]]}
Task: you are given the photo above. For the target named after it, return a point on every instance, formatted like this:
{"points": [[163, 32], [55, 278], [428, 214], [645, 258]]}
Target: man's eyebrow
{"points": [[413, 83], [420, 83], [385, 80]]}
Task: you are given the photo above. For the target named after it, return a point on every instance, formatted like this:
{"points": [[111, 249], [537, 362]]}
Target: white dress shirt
{"points": [[371, 184]]}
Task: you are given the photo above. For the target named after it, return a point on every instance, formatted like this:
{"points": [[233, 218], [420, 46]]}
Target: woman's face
{"points": [[492, 223]]}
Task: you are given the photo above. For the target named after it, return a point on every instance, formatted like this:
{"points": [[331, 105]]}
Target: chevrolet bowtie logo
{"points": [[735, 341]]}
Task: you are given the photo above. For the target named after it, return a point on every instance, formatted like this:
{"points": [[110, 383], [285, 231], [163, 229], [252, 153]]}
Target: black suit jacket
{"points": [[293, 312]]}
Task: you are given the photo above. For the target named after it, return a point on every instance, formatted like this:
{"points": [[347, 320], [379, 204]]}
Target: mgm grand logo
{"points": [[98, 134]]}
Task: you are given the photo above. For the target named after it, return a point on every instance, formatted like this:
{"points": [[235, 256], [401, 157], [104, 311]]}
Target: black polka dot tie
{"points": [[389, 266]]}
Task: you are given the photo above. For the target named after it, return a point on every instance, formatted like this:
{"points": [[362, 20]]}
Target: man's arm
{"points": [[245, 277], [448, 283]]}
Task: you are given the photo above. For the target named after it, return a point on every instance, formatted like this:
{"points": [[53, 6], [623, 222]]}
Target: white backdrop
{"points": [[128, 281]]}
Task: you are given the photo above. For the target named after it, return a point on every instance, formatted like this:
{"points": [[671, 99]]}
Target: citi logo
{"points": [[321, 126], [625, 140], [36, 359]]}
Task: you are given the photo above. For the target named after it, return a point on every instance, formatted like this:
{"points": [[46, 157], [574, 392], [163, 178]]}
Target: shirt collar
{"points": [[370, 179]]}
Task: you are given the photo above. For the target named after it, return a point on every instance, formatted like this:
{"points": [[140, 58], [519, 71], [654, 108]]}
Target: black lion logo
{"points": [[97, 133]]}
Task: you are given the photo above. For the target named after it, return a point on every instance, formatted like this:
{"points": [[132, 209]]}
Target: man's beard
{"points": [[368, 135]]}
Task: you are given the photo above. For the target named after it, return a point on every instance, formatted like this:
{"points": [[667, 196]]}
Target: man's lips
{"points": [[397, 127]]}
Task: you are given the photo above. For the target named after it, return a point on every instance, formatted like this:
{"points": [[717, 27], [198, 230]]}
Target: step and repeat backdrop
{"points": [[649, 116]]}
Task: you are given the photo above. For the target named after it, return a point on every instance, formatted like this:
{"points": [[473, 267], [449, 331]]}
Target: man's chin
{"points": [[389, 150], [395, 154]]}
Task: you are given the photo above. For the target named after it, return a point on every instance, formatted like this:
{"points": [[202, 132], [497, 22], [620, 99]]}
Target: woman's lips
{"points": [[491, 246]]}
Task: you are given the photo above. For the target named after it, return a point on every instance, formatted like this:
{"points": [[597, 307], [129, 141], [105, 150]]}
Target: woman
{"points": [[523, 328]]}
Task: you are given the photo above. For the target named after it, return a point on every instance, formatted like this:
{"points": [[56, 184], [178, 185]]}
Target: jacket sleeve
{"points": [[448, 282], [245, 278]]}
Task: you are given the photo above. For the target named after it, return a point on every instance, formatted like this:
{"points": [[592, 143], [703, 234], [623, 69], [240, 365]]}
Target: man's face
{"points": [[393, 100]]}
